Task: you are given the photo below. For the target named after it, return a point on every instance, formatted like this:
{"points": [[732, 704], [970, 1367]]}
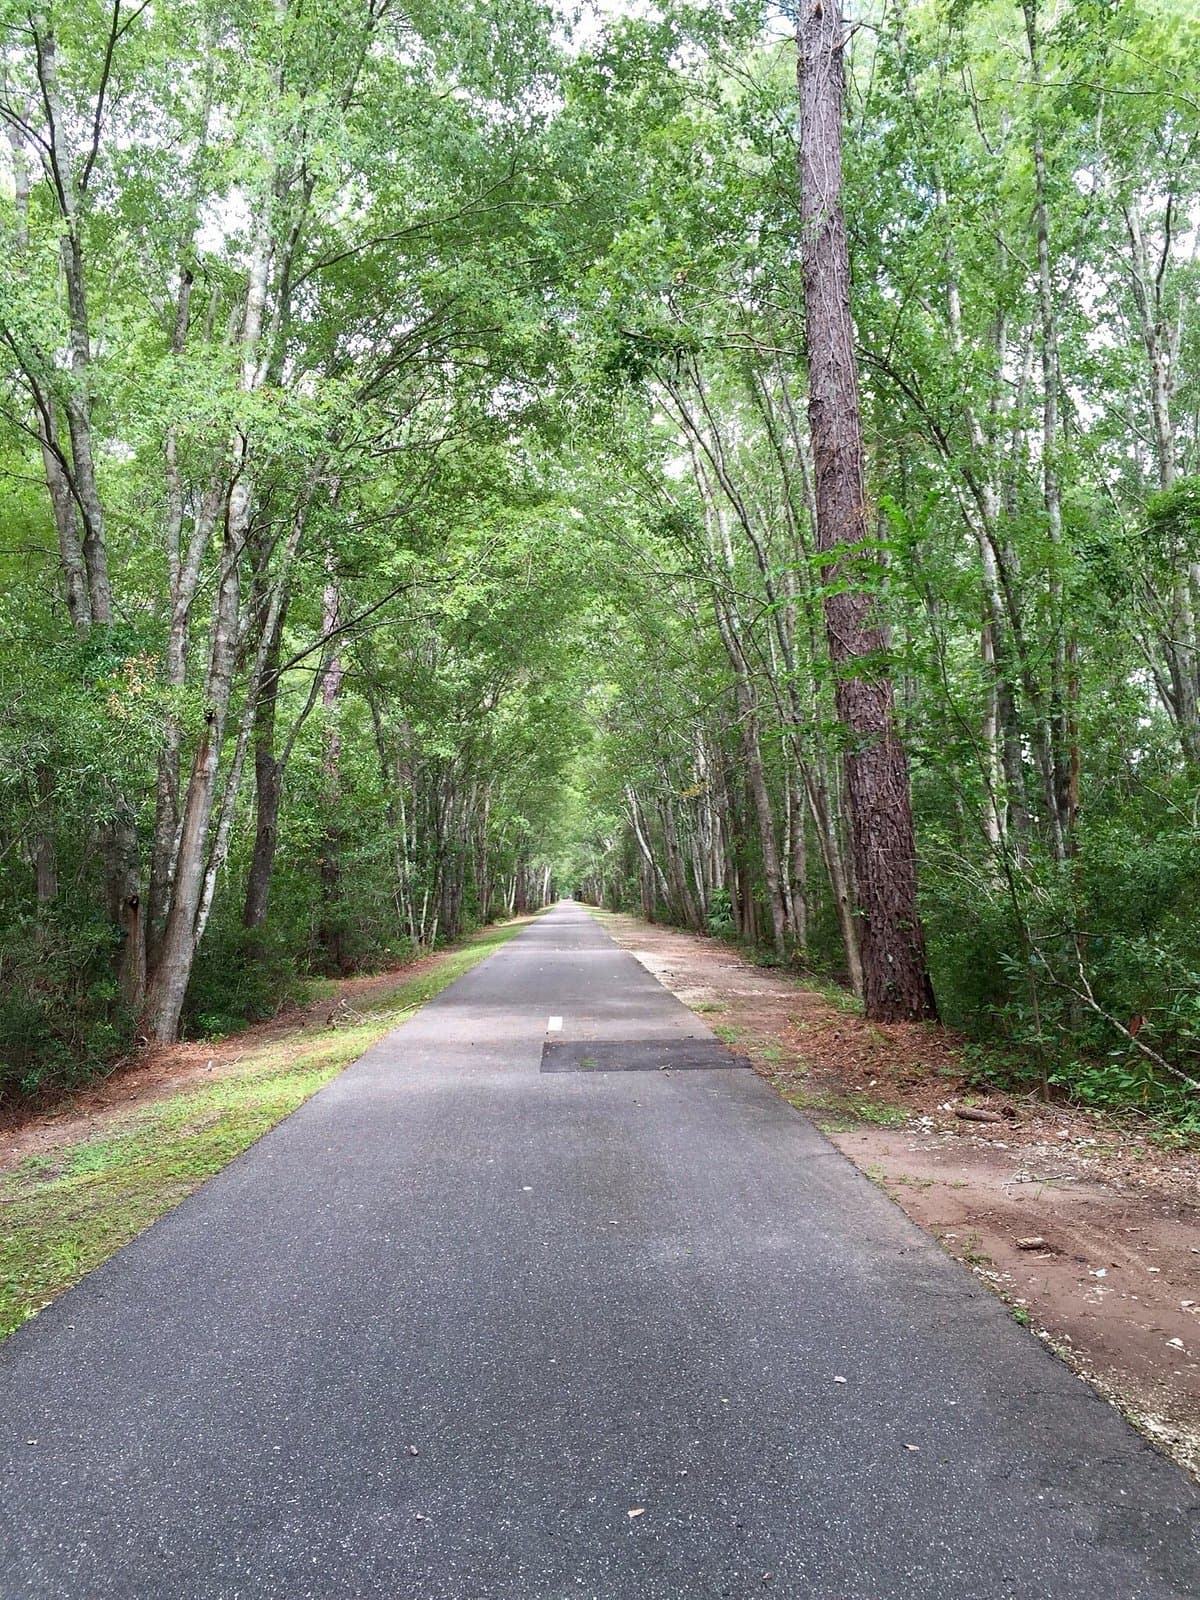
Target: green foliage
{"points": [[242, 975], [720, 914], [60, 1017], [1127, 1082], [531, 387], [1173, 522]]}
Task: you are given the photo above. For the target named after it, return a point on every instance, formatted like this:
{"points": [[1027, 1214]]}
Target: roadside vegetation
{"points": [[437, 472]]}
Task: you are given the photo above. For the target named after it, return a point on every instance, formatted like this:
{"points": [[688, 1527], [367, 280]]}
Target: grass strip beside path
{"points": [[64, 1212]]}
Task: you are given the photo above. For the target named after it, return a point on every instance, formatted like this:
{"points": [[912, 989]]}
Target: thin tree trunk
{"points": [[1063, 664], [80, 523], [330, 933], [45, 854], [268, 788], [814, 769], [797, 851], [1160, 339], [657, 875], [62, 500], [730, 627], [66, 521], [168, 985], [682, 901]]}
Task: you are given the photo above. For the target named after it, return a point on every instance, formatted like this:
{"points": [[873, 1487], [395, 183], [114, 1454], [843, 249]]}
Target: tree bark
{"points": [[732, 631], [657, 877], [268, 785], [1064, 648], [74, 492], [1161, 337], [169, 981], [807, 716], [329, 933], [879, 804], [45, 854]]}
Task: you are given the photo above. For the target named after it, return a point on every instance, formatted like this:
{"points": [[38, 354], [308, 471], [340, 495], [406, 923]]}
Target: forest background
{"points": [[407, 505]]}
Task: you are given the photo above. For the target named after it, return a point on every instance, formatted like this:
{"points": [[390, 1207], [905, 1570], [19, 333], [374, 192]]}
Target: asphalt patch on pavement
{"points": [[639, 1055]]}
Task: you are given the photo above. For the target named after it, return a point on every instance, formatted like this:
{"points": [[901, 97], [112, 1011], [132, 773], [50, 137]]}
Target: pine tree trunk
{"points": [[879, 804]]}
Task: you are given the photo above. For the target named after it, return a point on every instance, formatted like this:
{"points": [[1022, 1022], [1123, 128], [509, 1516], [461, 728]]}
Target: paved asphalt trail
{"points": [[571, 1294]]}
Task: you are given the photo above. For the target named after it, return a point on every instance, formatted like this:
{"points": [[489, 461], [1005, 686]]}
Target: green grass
{"points": [[833, 994], [843, 1113], [320, 988], [728, 1033], [63, 1214]]}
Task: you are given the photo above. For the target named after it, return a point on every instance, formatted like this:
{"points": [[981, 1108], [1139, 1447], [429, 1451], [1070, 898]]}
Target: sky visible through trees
{"points": [[455, 456]]}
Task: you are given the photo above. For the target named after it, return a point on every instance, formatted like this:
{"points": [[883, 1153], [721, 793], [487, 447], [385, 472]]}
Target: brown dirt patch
{"points": [[1114, 1284]]}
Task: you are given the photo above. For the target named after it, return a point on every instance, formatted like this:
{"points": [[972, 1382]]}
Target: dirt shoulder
{"points": [[1087, 1227]]}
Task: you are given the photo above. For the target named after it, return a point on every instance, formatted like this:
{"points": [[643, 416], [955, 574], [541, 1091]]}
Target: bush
{"points": [[241, 975], [61, 1020], [720, 914]]}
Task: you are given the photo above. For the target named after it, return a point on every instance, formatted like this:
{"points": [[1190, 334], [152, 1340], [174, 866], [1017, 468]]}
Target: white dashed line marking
{"points": [[554, 1025]]}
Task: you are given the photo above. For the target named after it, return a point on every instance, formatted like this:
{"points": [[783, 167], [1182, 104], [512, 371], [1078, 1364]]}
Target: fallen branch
{"points": [[1088, 998]]}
